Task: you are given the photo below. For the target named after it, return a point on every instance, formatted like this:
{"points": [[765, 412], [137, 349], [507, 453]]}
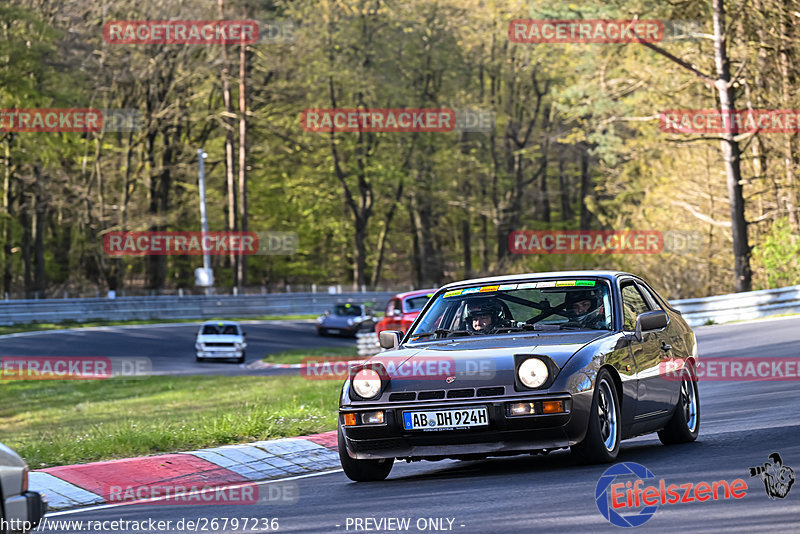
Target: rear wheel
{"points": [[601, 444], [684, 426], [363, 470]]}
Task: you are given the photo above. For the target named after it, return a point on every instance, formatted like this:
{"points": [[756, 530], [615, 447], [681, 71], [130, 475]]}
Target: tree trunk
{"points": [[466, 245], [229, 169], [7, 209], [39, 214], [563, 190], [387, 224], [731, 155], [586, 190], [243, 68], [788, 138]]}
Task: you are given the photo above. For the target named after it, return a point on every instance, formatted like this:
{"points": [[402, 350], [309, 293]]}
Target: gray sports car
{"points": [[523, 364]]}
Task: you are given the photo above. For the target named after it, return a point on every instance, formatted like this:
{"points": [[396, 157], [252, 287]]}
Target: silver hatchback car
{"points": [[220, 339]]}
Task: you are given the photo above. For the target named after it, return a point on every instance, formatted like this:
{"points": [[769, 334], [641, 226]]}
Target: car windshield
{"points": [[415, 304], [555, 304], [220, 330], [347, 309]]}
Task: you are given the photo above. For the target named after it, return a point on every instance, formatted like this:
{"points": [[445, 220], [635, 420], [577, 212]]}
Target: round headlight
{"points": [[367, 383], [533, 372]]}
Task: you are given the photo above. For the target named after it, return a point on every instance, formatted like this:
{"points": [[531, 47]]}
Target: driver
{"points": [[483, 316], [586, 308]]}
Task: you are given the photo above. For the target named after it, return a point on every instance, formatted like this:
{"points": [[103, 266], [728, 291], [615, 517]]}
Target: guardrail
{"points": [[739, 306], [717, 309], [186, 307]]}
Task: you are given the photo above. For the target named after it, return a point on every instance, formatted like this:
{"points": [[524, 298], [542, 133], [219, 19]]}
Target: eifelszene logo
{"points": [[777, 478], [615, 496]]}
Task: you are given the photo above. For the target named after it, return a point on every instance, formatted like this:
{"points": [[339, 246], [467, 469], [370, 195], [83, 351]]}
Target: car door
{"points": [[672, 348], [654, 393]]}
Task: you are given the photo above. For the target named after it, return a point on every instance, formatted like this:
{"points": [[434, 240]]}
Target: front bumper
{"points": [[224, 353], [504, 435], [339, 330]]}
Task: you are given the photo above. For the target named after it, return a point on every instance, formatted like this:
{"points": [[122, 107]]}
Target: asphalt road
{"points": [[170, 347], [741, 424]]}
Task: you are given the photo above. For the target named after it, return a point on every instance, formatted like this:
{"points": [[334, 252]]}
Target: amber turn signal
{"points": [[552, 406], [349, 419]]}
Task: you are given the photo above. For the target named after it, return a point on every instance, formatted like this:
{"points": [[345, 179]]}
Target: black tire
{"points": [[684, 425], [197, 358], [601, 444], [241, 358], [322, 332], [363, 470]]}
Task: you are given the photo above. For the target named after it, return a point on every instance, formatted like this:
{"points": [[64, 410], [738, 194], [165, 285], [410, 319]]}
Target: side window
{"points": [[390, 308], [632, 304], [647, 292]]}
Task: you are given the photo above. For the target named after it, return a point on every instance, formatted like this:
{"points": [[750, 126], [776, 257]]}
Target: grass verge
{"points": [[35, 327], [64, 422], [297, 355]]}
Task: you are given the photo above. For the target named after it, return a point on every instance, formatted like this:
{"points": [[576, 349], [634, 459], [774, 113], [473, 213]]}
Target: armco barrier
{"points": [[719, 309], [740, 306], [186, 307]]}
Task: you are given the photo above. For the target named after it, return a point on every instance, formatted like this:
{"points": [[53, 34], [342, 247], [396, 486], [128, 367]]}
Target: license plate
{"points": [[446, 419], [333, 330]]}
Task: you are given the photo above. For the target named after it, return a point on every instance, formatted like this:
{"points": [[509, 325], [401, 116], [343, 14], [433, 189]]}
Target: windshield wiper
{"points": [[442, 332], [523, 328]]}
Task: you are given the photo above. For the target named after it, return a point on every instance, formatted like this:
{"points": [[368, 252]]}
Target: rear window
{"points": [[415, 304]]}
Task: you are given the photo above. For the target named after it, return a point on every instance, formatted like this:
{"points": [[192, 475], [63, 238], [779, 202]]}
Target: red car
{"points": [[402, 309]]}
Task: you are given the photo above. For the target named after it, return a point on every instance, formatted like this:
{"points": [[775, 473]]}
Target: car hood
{"points": [[213, 338], [476, 361]]}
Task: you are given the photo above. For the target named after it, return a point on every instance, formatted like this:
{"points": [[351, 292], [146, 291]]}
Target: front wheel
{"points": [[684, 425], [601, 444], [363, 470]]}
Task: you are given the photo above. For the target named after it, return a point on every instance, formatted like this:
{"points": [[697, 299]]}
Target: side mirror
{"points": [[389, 339], [649, 321], [244, 334]]}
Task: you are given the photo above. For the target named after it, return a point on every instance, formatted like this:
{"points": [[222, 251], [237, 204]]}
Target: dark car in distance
{"points": [[346, 319], [523, 364]]}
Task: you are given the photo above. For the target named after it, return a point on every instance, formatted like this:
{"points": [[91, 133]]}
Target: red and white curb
{"points": [[73, 486]]}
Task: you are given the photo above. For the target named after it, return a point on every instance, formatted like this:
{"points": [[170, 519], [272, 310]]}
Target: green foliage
{"points": [[556, 106], [777, 258]]}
